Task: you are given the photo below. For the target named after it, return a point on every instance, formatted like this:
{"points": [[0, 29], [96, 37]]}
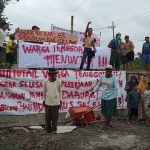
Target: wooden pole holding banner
{"points": [[18, 54], [72, 24], [51, 27]]}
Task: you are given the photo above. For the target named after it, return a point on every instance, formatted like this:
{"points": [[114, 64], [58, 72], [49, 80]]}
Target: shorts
{"points": [[130, 56], [109, 107], [133, 112], [123, 59], [1, 49], [9, 58], [146, 58], [115, 60]]}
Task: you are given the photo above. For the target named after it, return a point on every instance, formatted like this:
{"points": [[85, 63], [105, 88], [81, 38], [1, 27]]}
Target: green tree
{"points": [[3, 18], [138, 62]]}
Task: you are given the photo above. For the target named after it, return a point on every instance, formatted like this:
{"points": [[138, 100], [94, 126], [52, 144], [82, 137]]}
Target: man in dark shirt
{"points": [[146, 53]]}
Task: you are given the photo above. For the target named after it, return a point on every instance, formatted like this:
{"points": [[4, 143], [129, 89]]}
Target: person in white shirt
{"points": [[52, 100], [3, 35]]}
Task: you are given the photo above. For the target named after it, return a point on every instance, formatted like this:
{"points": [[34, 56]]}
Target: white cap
{"points": [[109, 67]]}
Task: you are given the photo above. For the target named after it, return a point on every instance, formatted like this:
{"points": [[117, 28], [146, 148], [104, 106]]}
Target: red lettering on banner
{"points": [[36, 95], [31, 38], [91, 74], [68, 48], [61, 59], [102, 61], [45, 73], [4, 107], [61, 73], [82, 103], [14, 73], [75, 94], [76, 85], [30, 107], [96, 104], [8, 95], [35, 49], [66, 105], [34, 84], [8, 84]]}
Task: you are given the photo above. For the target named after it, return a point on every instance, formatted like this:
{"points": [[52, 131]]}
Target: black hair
{"points": [[148, 83], [4, 23], [35, 27], [146, 37], [89, 29], [136, 84]]}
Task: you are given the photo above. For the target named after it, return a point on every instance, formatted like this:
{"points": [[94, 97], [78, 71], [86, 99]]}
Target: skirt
{"points": [[109, 107]]}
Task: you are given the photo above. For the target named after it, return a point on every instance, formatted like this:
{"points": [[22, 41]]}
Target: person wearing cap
{"points": [[146, 53], [110, 91], [52, 100], [115, 54], [129, 47]]}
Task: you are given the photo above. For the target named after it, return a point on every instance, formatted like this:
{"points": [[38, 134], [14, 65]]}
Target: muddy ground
{"points": [[122, 136]]}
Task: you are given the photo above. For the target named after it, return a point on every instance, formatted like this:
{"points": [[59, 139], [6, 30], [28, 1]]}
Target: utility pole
{"points": [[113, 29], [71, 24]]}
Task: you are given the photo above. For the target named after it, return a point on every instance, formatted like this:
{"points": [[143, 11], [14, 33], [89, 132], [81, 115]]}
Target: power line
{"points": [[64, 17], [101, 28], [138, 17], [134, 18]]}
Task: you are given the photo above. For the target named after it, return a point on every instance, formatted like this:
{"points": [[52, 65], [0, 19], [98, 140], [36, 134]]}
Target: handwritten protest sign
{"points": [[21, 91], [80, 35], [59, 56], [45, 36]]}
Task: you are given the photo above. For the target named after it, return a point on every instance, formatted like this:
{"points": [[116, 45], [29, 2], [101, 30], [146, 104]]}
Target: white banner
{"points": [[33, 55], [80, 35], [21, 91]]}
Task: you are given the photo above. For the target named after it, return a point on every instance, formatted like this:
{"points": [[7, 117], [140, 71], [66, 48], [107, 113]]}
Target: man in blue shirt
{"points": [[110, 90], [146, 53], [133, 99]]}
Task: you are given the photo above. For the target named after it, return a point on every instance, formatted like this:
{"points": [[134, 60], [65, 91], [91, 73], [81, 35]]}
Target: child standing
{"points": [[133, 99], [147, 103], [52, 100]]}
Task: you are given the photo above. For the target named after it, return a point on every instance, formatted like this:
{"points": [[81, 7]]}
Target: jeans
{"points": [[86, 53]]}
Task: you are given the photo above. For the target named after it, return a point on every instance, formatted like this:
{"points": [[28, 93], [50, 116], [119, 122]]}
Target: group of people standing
{"points": [[138, 99], [121, 52]]}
